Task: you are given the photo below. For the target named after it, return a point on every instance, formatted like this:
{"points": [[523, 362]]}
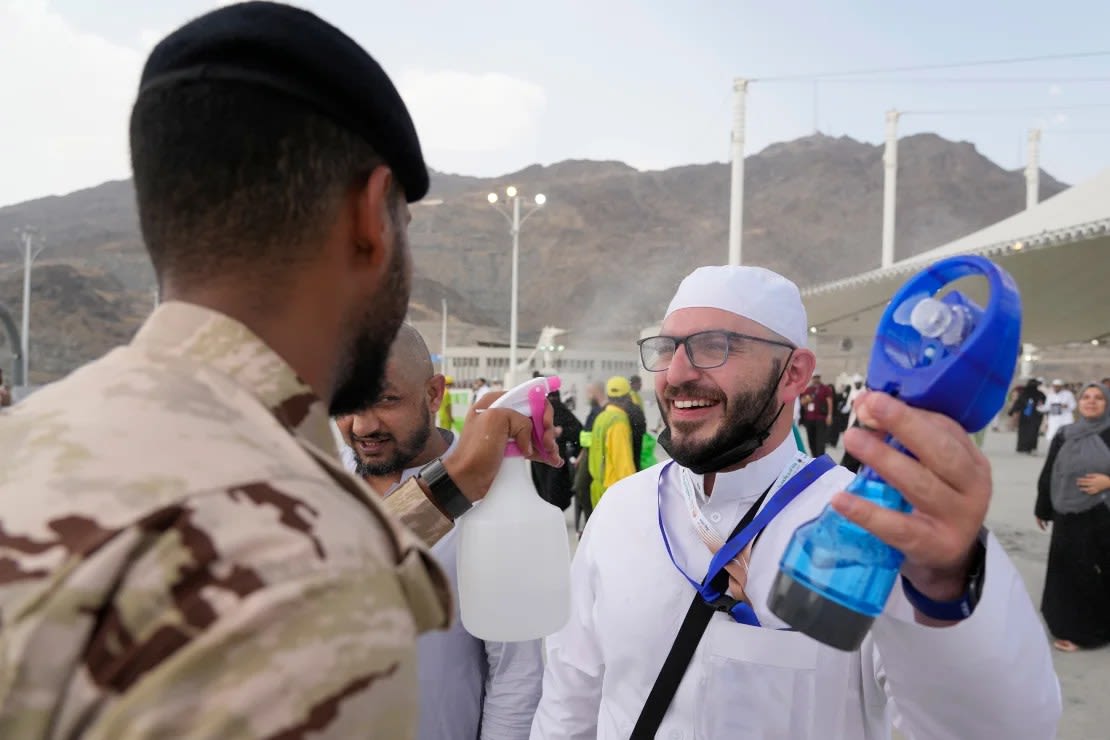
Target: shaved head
{"points": [[397, 430], [409, 356]]}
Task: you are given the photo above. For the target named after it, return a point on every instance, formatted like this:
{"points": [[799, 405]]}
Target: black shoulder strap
{"points": [[682, 652]]}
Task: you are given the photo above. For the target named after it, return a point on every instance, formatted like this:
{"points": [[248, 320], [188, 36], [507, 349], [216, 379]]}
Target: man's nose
{"points": [[681, 369], [365, 424]]}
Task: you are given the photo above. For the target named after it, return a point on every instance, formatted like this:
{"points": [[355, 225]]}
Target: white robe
{"points": [[850, 404], [1058, 408], [988, 677]]}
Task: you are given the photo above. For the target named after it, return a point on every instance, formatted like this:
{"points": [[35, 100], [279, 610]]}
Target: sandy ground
{"points": [[1084, 676]]}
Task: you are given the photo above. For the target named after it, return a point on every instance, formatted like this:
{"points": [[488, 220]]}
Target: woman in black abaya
{"points": [[1026, 407], [1074, 494]]}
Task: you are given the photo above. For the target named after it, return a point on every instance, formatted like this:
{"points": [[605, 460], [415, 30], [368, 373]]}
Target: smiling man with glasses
{"points": [[728, 365], [707, 428]]}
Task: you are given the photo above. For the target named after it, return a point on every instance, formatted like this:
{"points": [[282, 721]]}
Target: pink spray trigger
{"points": [[537, 399], [537, 405]]}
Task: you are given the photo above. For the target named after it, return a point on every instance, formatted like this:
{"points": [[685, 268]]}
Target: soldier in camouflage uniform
{"points": [[181, 553]]}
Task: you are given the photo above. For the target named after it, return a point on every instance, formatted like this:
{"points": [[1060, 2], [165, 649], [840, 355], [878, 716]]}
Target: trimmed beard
{"points": [[407, 451], [749, 420], [362, 367]]}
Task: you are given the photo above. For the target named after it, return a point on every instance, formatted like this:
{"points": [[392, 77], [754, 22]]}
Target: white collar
{"points": [[746, 484]]}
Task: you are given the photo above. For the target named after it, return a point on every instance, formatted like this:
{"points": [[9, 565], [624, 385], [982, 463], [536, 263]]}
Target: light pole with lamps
{"points": [[26, 236], [515, 221]]}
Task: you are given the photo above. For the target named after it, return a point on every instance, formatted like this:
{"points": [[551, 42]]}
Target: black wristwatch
{"points": [[957, 609], [445, 494]]}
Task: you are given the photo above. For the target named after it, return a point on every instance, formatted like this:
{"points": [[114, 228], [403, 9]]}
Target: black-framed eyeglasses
{"points": [[705, 349]]}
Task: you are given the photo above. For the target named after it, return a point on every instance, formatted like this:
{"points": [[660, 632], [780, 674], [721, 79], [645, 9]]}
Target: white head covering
{"points": [[755, 293]]}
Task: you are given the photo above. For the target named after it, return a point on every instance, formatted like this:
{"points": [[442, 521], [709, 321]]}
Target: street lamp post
{"points": [[515, 221]]}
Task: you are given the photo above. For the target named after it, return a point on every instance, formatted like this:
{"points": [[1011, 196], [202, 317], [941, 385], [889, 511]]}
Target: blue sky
{"points": [[496, 86]]}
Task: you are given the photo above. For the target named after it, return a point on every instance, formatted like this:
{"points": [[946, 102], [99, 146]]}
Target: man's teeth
{"points": [[693, 404]]}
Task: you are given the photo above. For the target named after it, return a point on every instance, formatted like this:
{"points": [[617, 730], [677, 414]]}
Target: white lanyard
{"points": [[693, 492]]}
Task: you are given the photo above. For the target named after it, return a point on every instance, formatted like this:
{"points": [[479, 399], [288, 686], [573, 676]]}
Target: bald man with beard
{"points": [[469, 688]]}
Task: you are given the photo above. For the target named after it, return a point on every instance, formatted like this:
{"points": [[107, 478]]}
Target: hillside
{"points": [[601, 259]]}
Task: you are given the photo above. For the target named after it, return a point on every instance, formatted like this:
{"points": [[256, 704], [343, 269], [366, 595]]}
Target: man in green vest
{"points": [[611, 456]]}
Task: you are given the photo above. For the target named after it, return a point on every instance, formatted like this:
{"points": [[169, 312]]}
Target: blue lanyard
{"points": [[716, 596]]}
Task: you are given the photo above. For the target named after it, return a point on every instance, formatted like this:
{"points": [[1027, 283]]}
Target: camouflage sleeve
{"points": [[252, 614], [416, 511]]}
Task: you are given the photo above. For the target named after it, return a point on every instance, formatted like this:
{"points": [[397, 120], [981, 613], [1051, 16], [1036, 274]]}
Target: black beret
{"points": [[295, 53]]}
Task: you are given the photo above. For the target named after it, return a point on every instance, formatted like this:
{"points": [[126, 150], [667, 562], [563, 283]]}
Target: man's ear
{"points": [[375, 227], [799, 371], [436, 387]]}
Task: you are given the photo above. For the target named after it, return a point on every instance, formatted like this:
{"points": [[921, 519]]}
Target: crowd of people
{"points": [[185, 553], [1034, 411]]}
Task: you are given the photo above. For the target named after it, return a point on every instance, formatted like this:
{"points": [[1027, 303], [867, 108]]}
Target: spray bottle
{"points": [[514, 555], [944, 354]]}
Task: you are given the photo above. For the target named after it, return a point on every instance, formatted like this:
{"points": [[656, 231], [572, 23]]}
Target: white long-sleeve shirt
{"points": [[471, 689], [1058, 407], [987, 677], [850, 404], [1059, 403]]}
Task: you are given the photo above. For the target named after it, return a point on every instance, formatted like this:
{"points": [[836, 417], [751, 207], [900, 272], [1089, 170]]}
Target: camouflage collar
{"points": [[218, 342]]}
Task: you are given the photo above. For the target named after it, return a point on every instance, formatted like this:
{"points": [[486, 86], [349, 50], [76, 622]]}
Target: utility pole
{"points": [[1033, 169], [736, 207], [890, 187], [26, 236], [443, 340]]}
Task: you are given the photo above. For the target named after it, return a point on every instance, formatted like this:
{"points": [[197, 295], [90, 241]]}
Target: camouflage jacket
{"points": [[182, 554]]}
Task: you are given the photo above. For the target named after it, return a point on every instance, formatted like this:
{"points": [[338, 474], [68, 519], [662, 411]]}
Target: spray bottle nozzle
{"points": [[530, 399], [938, 320]]}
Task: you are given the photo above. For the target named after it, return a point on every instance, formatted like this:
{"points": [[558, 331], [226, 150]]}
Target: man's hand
{"points": [[481, 447], [949, 487], [1093, 484]]}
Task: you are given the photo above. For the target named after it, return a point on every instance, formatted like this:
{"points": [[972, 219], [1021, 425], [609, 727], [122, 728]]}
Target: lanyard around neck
{"points": [[693, 493], [713, 588]]}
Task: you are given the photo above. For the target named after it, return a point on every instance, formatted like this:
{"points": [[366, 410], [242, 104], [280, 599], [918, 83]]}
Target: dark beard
{"points": [[407, 451], [750, 417], [362, 367]]}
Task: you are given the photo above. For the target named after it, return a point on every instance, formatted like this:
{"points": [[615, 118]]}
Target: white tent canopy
{"points": [[1058, 253]]}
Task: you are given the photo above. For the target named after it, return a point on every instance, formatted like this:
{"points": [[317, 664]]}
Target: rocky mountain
{"points": [[612, 243], [76, 314], [601, 258]]}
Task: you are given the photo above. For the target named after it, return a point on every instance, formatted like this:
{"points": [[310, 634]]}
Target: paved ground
{"points": [[1084, 676]]}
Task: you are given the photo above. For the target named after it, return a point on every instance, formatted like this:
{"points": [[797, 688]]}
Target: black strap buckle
{"points": [[721, 603]]}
